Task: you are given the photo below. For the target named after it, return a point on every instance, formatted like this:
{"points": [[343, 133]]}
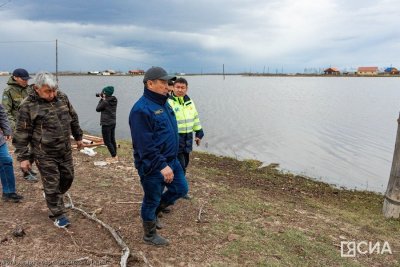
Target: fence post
{"points": [[391, 204]]}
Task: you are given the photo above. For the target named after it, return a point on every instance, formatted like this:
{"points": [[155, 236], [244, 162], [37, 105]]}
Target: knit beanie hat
{"points": [[108, 91]]}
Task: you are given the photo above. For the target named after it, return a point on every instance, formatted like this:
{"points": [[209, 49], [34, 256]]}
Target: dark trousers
{"points": [[153, 186], [57, 176], [183, 158], [108, 132]]}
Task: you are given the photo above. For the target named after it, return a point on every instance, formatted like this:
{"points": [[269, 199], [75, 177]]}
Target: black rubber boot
{"points": [[159, 224], [166, 210], [150, 235], [160, 208]]}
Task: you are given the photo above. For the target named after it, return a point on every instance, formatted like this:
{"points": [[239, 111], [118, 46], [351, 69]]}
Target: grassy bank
{"points": [[240, 215]]}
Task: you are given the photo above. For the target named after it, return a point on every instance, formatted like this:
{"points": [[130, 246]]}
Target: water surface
{"points": [[337, 129]]}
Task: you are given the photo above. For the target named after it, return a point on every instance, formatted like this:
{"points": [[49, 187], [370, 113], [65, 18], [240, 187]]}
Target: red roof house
{"points": [[367, 71]]}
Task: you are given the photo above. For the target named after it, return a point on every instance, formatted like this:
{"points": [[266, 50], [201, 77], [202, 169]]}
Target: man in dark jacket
{"points": [[108, 108], [155, 143], [46, 120]]}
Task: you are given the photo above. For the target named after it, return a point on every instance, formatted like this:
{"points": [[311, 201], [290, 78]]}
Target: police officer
{"points": [[155, 143], [46, 120], [13, 95], [188, 120]]}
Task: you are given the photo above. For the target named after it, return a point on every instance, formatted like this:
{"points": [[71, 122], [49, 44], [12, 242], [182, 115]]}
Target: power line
{"points": [[103, 54], [77, 47], [12, 42], [9, 1]]}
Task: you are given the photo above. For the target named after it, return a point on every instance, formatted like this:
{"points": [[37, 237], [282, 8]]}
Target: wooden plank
{"points": [[90, 141]]}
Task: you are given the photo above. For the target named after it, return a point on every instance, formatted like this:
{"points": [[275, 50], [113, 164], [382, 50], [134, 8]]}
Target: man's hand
{"points": [[198, 141], [8, 137], [25, 165], [79, 144], [168, 174]]}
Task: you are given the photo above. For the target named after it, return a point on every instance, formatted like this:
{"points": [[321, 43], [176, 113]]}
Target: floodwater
{"points": [[340, 130]]}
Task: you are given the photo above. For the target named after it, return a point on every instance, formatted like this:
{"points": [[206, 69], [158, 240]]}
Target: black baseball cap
{"points": [[157, 73], [21, 73]]}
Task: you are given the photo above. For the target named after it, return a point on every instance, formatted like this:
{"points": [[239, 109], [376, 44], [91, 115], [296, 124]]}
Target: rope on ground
{"points": [[121, 243]]}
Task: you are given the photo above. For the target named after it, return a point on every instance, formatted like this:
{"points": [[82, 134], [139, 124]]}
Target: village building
{"points": [[4, 73], [392, 71], [332, 71], [136, 72], [367, 71]]}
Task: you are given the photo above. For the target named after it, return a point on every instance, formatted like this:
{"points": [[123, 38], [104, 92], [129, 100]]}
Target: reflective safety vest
{"points": [[185, 113]]}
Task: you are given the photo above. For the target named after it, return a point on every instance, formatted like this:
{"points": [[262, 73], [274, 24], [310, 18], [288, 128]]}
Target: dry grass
{"points": [[250, 216]]}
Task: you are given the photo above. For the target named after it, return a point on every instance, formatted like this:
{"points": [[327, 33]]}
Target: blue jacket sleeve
{"points": [[199, 133], [144, 143]]}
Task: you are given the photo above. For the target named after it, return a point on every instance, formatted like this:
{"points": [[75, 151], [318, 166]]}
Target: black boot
{"points": [[160, 208], [150, 235], [159, 224]]}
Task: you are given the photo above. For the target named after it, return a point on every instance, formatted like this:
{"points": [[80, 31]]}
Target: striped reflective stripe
{"points": [[184, 130], [185, 121]]}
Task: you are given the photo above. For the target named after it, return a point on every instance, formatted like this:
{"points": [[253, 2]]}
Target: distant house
{"points": [[392, 70], [367, 71], [110, 71], [4, 73], [332, 71], [94, 72], [136, 72]]}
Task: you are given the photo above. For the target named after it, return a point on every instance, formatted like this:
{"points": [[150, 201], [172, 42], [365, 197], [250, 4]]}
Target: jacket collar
{"points": [[14, 83], [180, 99], [156, 98], [35, 96]]}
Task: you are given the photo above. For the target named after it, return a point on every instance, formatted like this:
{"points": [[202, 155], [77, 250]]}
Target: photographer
{"points": [[108, 108]]}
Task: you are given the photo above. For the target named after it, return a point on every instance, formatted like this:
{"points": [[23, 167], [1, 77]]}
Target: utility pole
{"points": [[223, 71], [391, 204], [57, 61]]}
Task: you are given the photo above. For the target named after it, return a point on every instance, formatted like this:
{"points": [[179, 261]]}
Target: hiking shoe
{"points": [[187, 197], [13, 197], [62, 222], [30, 177], [166, 210], [33, 172]]}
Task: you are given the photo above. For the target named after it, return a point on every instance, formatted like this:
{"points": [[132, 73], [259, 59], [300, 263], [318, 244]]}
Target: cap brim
{"points": [[168, 78], [26, 78]]}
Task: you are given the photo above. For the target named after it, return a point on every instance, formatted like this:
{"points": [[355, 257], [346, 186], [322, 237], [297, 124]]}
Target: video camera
{"points": [[99, 94]]}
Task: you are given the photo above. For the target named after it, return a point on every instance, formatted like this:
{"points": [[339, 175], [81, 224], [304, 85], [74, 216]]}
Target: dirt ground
{"points": [[240, 215]]}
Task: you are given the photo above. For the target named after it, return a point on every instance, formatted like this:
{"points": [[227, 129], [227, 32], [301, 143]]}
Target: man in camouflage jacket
{"points": [[15, 92], [13, 95], [46, 120]]}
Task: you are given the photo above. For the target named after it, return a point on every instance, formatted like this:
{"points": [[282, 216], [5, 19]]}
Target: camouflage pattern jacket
{"points": [[4, 126], [46, 126], [12, 98]]}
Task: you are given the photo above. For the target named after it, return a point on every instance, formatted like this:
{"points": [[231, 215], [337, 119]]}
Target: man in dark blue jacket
{"points": [[155, 142]]}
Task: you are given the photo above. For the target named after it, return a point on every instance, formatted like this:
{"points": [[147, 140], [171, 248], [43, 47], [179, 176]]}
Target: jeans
{"points": [[108, 132], [153, 186], [6, 170]]}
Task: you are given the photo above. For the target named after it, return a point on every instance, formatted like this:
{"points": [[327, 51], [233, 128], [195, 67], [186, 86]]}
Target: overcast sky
{"points": [[199, 36]]}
